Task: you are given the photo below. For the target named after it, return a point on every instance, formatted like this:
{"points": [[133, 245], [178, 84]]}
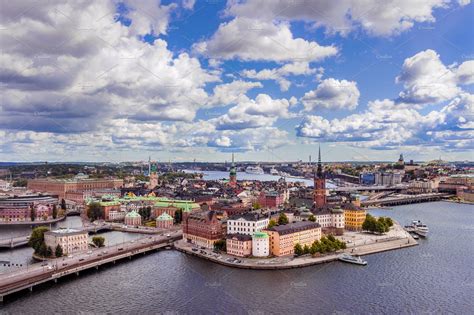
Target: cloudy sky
{"points": [[106, 80]]}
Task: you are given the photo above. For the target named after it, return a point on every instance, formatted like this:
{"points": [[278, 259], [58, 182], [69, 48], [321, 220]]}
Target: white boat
{"points": [[352, 259], [254, 170], [418, 227]]}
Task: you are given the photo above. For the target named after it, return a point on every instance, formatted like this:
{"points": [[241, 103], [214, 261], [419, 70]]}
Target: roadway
{"points": [[54, 268]]}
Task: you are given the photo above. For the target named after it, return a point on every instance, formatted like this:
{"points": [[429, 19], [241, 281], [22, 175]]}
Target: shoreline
{"points": [[32, 223], [280, 263]]}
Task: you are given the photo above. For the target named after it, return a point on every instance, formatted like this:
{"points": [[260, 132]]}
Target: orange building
{"points": [[283, 238], [239, 245]]}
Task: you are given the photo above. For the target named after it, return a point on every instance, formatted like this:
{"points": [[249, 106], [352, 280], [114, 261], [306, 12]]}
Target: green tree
{"points": [[271, 223], [55, 212], [331, 238], [37, 238], [306, 249], [49, 252], [256, 206], [282, 219], [369, 223], [98, 241], [220, 245], [312, 218], [178, 216], [59, 251], [389, 221], [298, 249], [63, 204], [95, 211], [380, 227], [314, 248], [43, 250]]}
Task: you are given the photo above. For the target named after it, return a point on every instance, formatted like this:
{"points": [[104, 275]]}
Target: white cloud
{"points": [[465, 72], [332, 94], [231, 93], [261, 112], [426, 79], [148, 16], [249, 39], [380, 18], [280, 74]]}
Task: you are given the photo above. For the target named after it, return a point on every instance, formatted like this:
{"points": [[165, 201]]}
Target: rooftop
{"points": [[294, 227]]}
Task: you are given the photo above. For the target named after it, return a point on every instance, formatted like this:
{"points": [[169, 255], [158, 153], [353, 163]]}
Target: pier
{"points": [[54, 269]]}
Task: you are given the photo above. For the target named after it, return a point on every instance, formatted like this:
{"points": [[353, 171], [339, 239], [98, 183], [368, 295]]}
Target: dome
{"points": [[164, 217], [132, 214], [260, 235]]}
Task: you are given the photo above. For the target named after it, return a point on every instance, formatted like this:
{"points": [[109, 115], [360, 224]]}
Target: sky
{"points": [[106, 80]]}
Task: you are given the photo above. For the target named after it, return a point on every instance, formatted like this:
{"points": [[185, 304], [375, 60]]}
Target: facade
{"points": [[247, 223], [388, 179], [283, 238], [452, 183], [423, 186], [116, 215], [133, 218], [239, 245], [272, 199], [71, 241], [153, 177], [354, 216], [164, 221], [61, 187], [18, 208], [203, 228], [331, 219], [260, 244]]}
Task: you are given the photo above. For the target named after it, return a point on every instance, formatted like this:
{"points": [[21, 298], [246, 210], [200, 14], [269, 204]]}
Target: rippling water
{"points": [[434, 277]]}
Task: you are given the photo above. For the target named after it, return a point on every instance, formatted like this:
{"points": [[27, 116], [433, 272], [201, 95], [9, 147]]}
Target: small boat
{"points": [[273, 171], [352, 259], [414, 235]]}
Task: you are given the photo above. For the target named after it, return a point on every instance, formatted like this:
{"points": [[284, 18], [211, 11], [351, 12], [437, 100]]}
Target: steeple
{"points": [[319, 172]]}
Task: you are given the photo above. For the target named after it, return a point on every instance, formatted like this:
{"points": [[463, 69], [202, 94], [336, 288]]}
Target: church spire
{"points": [[320, 166]]}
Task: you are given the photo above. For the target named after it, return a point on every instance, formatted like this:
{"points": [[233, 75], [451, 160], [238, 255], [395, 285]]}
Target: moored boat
{"points": [[352, 259]]}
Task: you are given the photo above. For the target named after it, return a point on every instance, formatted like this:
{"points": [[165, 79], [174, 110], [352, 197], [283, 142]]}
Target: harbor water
{"points": [[434, 277]]}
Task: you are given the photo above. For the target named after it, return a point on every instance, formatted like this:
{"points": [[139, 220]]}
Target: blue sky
{"points": [[268, 80]]}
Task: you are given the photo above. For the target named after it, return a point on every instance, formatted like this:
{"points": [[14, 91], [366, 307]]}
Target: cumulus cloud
{"points": [[387, 125], [426, 79], [465, 72], [379, 18], [332, 94], [261, 112], [280, 74], [231, 93], [250, 39]]}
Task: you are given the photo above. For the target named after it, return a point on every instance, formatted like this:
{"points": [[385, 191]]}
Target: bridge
{"points": [[57, 268], [14, 241], [405, 199], [368, 188]]}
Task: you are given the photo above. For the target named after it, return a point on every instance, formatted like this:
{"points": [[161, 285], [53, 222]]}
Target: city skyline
{"points": [[268, 81]]}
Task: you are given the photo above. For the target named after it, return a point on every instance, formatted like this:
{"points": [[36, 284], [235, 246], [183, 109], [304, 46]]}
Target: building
{"points": [[233, 174], [423, 186], [388, 178], [164, 221], [247, 223], [319, 185], [153, 177], [61, 187], [354, 216], [452, 183], [272, 199], [401, 161], [71, 241], [367, 178], [260, 244], [133, 218], [4, 185], [283, 238], [331, 219], [19, 207], [239, 245], [203, 228]]}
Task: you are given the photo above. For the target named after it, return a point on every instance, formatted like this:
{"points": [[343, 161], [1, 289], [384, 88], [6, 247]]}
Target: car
{"points": [[120, 248], [89, 252], [168, 235], [70, 256], [50, 267], [202, 247], [132, 241], [195, 249], [44, 264], [104, 252], [64, 264], [81, 259], [99, 255]]}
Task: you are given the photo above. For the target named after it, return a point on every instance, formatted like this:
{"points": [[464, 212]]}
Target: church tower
{"points": [[153, 176], [233, 174], [319, 184]]}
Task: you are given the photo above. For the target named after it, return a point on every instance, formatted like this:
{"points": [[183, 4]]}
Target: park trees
{"points": [[283, 219], [58, 252], [36, 240], [95, 211], [98, 241]]}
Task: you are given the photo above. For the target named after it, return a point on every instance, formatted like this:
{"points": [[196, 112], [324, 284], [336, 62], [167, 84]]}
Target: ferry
{"points": [[352, 259], [417, 227], [254, 170], [273, 171]]}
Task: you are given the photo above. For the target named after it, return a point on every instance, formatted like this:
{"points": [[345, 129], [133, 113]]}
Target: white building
{"points": [[247, 223], [71, 241], [260, 244], [332, 218], [117, 215]]}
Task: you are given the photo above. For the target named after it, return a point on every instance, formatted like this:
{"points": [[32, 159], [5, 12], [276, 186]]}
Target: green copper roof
{"points": [[132, 214], [260, 235], [164, 217]]}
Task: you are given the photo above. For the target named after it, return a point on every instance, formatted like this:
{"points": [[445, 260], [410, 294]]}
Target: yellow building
{"points": [[283, 238], [354, 216]]}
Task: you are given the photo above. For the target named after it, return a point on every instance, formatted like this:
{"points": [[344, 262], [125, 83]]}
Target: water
{"points": [[434, 277], [216, 175], [21, 257]]}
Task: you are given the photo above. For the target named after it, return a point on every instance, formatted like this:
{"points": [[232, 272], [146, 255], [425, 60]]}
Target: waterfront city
{"points": [[236, 157]]}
